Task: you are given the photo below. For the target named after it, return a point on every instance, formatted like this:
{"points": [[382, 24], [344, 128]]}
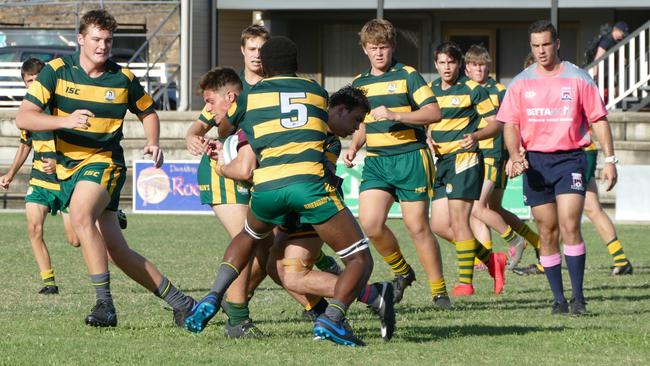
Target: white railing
{"points": [[623, 72], [12, 89]]}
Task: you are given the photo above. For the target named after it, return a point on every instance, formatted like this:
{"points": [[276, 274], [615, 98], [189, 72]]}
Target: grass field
{"points": [[512, 329]]}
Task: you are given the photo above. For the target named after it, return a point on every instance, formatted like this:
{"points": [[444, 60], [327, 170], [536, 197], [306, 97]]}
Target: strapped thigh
{"points": [[252, 232], [354, 248]]}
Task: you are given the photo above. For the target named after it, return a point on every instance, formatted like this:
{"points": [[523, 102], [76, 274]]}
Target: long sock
{"points": [[483, 252], [509, 235], [438, 287], [226, 274], [102, 284], [531, 237], [575, 256], [553, 270], [368, 294], [173, 296], [397, 263], [48, 277], [488, 245], [237, 313], [615, 248], [465, 252], [336, 310]]}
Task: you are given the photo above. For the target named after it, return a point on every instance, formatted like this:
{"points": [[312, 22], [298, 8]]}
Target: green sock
{"points": [[237, 313], [322, 262]]}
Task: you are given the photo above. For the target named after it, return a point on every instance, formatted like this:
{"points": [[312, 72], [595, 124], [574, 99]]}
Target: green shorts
{"points": [[591, 156], [459, 176], [217, 190], [44, 197], [314, 202], [407, 176], [495, 171], [109, 176], [295, 229]]}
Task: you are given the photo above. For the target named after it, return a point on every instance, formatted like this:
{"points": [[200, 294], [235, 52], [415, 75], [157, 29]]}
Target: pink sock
{"points": [[574, 250], [550, 260]]}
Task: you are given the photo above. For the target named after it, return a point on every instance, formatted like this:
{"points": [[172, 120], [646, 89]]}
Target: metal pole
{"points": [[554, 14], [380, 9], [185, 56]]}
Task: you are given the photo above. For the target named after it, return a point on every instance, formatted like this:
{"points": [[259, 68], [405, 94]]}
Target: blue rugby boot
{"points": [[337, 332], [201, 313]]}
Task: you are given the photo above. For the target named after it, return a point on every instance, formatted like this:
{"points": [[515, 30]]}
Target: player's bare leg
{"points": [[440, 219], [374, 205], [415, 217], [570, 207], [36, 215], [69, 232], [482, 213], [606, 230]]}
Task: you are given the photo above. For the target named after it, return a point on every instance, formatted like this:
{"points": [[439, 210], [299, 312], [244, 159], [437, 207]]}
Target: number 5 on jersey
{"points": [[286, 106]]}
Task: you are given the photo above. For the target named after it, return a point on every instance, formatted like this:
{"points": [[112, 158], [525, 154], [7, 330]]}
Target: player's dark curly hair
{"points": [[217, 78], [31, 66], [542, 26], [100, 18], [351, 98], [450, 49]]}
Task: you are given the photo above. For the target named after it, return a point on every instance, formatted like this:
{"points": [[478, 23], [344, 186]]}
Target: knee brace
{"points": [[296, 265], [354, 248], [252, 232]]}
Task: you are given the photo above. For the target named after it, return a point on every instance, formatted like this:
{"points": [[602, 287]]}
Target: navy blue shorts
{"points": [[552, 174]]}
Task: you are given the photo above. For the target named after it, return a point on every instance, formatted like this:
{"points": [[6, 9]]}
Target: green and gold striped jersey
{"points": [[332, 148], [64, 86], [493, 147], [44, 148], [285, 121], [400, 89], [462, 106]]}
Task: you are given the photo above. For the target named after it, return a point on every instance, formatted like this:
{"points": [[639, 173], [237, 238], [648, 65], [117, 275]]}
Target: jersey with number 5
{"points": [[285, 121]]}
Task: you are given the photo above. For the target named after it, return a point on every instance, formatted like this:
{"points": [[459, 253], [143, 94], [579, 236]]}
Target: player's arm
{"points": [[151, 125], [512, 139], [429, 113], [241, 168], [358, 140], [604, 134], [194, 138], [492, 129], [224, 128], [31, 117], [19, 160], [599, 52]]}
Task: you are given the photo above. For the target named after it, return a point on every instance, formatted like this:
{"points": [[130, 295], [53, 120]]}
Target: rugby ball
{"points": [[230, 148]]}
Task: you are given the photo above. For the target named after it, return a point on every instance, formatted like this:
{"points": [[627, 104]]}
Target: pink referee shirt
{"points": [[553, 111]]}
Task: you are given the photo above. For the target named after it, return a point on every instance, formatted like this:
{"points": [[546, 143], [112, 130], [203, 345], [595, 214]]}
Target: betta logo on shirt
{"points": [[566, 94]]}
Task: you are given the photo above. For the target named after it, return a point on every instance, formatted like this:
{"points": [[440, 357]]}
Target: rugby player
{"points": [[297, 245], [459, 168], [284, 118], [43, 193], [88, 96], [548, 109], [228, 198], [398, 166]]}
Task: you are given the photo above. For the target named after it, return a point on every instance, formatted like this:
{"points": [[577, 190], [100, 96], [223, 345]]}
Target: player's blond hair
{"points": [[477, 54], [254, 31], [378, 31]]}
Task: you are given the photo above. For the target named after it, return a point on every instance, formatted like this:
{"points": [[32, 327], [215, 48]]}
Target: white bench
{"points": [[12, 89]]}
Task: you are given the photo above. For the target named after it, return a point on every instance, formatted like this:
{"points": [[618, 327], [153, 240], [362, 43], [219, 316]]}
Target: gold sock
{"points": [[438, 287], [48, 277], [465, 252], [397, 263], [615, 248]]}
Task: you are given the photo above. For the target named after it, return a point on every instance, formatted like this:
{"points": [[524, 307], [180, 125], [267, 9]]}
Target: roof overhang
{"points": [[423, 4]]}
